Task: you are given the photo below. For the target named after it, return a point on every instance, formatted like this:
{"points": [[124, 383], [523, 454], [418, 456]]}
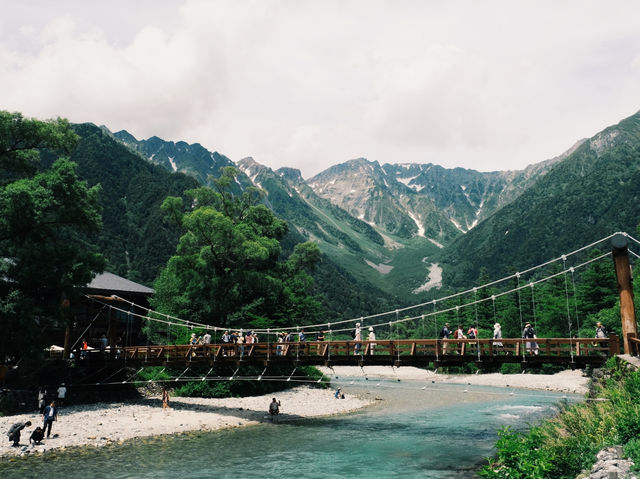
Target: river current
{"points": [[414, 430]]}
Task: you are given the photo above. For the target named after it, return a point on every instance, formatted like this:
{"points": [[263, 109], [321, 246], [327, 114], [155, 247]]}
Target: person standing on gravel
{"points": [[50, 415]]}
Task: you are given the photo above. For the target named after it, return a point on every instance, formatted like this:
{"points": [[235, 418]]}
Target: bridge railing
{"points": [[432, 348], [634, 344]]}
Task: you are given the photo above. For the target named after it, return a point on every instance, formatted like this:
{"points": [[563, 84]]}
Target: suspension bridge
{"points": [[390, 348]]}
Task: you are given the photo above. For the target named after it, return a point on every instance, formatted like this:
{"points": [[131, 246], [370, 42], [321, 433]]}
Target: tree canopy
{"points": [[228, 269], [46, 219]]}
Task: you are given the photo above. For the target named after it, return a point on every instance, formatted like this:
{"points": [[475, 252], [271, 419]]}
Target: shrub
{"points": [[561, 447], [632, 451], [510, 368]]}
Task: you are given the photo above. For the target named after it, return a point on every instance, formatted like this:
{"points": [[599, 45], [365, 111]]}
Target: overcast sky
{"points": [[488, 85]]}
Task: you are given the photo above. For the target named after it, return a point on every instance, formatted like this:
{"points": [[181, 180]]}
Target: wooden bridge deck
{"points": [[577, 352]]}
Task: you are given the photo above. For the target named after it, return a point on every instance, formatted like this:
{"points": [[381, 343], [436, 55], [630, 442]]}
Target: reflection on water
{"points": [[433, 431]]}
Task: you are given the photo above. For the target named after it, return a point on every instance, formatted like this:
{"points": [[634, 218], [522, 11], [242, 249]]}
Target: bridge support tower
{"points": [[623, 274]]}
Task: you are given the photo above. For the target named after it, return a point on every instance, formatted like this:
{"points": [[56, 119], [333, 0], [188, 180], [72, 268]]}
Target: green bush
{"points": [[563, 446], [153, 373], [632, 451], [518, 457], [204, 389], [510, 368]]}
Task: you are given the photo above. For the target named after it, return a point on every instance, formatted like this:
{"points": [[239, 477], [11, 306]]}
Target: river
{"points": [[412, 431]]}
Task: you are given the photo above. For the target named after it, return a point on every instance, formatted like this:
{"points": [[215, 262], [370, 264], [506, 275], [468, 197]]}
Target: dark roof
{"points": [[113, 282]]}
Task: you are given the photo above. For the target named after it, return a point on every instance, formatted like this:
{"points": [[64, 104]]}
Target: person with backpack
{"points": [[444, 334], [472, 333], [530, 333], [601, 332]]}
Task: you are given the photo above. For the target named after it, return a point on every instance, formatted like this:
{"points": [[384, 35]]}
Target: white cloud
{"points": [[488, 85]]}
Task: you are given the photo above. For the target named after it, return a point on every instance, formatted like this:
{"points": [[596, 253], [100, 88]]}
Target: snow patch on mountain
{"points": [[380, 268], [457, 225], [439, 245], [418, 224], [434, 279], [406, 181]]}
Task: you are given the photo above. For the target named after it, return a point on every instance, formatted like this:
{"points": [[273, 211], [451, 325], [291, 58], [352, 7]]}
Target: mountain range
{"points": [[398, 233]]}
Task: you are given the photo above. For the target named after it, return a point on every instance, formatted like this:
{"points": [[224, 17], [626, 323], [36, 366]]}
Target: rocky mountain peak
{"points": [[290, 174]]}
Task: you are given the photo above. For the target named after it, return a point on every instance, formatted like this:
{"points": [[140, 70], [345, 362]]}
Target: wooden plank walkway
{"points": [[576, 352]]}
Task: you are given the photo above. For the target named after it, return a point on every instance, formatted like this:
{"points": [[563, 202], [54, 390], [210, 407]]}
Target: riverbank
{"points": [[100, 424], [565, 381]]}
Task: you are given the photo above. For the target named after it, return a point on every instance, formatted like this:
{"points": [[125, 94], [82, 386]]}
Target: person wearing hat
{"points": [[372, 337], [530, 333], [497, 334], [357, 335]]}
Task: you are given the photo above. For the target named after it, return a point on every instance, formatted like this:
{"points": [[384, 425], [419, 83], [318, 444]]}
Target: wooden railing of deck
{"points": [[402, 351], [634, 344]]}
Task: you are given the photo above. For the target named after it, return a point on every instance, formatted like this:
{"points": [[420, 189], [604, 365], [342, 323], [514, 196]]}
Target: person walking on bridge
{"points": [[497, 334], [459, 334], [530, 333], [444, 334], [357, 335], [372, 338], [472, 333], [601, 332]]}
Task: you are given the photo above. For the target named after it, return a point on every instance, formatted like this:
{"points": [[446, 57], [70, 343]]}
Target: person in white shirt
{"points": [[62, 393], [372, 337]]}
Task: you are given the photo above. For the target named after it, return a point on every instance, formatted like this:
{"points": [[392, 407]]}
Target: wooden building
{"points": [[110, 305]]}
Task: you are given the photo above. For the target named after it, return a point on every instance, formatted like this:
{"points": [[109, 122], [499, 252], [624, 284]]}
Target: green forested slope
{"points": [[134, 239], [591, 194]]}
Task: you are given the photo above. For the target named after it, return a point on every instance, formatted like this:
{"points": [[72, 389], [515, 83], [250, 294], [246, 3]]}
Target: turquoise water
{"points": [[414, 431]]}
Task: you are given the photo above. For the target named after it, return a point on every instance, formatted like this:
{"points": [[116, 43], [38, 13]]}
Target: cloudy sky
{"points": [[308, 84]]}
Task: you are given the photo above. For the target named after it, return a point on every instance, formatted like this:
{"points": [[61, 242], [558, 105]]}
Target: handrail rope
{"points": [[215, 328], [524, 357], [566, 293], [475, 297], [533, 307], [542, 280], [491, 283], [575, 297], [435, 328], [631, 237]]}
